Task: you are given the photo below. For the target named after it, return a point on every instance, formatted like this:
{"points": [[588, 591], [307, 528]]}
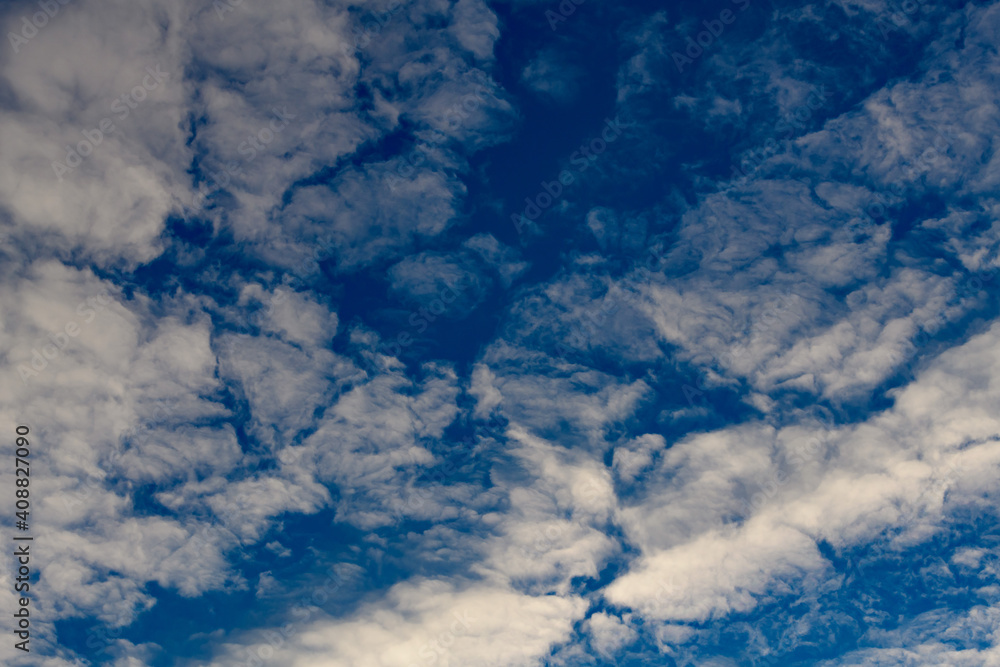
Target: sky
{"points": [[467, 333]]}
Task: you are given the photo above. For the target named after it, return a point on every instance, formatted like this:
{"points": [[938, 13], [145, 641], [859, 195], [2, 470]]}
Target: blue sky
{"points": [[513, 333]]}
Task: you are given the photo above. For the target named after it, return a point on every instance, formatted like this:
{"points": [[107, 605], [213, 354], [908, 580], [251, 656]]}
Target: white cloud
{"points": [[907, 467], [609, 633], [429, 622]]}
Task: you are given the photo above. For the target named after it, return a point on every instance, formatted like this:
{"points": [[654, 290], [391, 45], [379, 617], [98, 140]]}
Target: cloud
{"points": [[550, 76], [841, 487], [822, 249], [609, 633], [429, 621], [423, 277]]}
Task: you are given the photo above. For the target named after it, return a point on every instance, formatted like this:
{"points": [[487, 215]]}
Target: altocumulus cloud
{"points": [[302, 395]]}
